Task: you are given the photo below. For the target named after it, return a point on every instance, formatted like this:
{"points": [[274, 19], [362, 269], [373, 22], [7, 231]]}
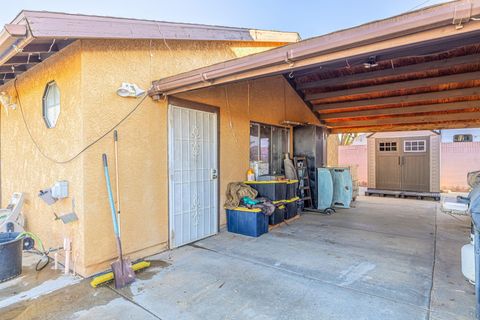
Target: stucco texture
{"points": [[267, 100], [88, 73], [24, 169], [142, 138]]}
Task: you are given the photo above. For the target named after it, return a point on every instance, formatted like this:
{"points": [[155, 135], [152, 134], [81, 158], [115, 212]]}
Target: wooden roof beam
{"points": [[410, 127], [17, 69], [40, 48], [397, 71], [418, 119], [473, 93], [24, 59], [389, 87], [452, 106], [7, 76]]}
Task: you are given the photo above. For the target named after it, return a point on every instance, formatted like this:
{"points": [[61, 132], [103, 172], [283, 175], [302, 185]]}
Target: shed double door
{"points": [[193, 183], [403, 164]]}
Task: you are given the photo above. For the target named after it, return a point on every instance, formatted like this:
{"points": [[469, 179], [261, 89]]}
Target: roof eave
{"points": [[422, 20], [13, 38]]}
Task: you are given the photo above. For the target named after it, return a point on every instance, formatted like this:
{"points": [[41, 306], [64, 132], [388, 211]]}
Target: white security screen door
{"points": [[193, 183]]}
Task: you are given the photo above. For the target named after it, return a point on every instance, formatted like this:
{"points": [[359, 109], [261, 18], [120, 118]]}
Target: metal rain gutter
{"points": [[13, 38], [454, 13]]}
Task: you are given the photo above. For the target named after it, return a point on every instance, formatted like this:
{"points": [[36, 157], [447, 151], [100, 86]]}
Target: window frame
{"points": [[52, 84], [417, 143], [463, 136], [270, 141], [387, 146]]}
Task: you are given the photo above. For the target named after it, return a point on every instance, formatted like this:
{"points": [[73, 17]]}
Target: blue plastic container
{"points": [[342, 187], [324, 189], [249, 222]]}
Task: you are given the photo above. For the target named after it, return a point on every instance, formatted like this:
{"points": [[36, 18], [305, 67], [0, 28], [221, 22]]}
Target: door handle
{"points": [[213, 174]]}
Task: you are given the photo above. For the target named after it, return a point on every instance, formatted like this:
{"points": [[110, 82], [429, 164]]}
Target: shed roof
{"points": [[34, 36]]}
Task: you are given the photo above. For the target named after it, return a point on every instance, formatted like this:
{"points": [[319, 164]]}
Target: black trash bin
{"points": [[10, 256]]}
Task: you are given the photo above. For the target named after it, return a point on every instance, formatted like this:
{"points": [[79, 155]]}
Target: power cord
{"points": [[44, 254], [37, 146]]}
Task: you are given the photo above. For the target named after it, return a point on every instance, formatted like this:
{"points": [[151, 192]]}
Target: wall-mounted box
{"points": [[60, 189]]}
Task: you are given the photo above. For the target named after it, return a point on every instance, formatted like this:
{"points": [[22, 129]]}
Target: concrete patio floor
{"points": [[385, 259]]}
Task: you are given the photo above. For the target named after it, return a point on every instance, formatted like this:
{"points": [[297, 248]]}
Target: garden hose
{"points": [[45, 258]]}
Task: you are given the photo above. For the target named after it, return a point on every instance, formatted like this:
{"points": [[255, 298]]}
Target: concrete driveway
{"points": [[385, 259]]}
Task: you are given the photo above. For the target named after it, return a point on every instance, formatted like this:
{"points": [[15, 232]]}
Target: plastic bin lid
{"points": [[265, 182], [292, 200], [244, 209]]}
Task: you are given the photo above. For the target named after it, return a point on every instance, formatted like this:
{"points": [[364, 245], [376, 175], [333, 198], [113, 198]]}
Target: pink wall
{"points": [[355, 156], [457, 159]]}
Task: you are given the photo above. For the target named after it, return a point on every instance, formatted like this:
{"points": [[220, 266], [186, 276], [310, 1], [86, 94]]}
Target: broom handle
{"points": [[115, 139]]}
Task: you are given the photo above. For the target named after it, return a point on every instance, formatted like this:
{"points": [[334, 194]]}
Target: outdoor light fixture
{"points": [[6, 101], [372, 62], [129, 90]]}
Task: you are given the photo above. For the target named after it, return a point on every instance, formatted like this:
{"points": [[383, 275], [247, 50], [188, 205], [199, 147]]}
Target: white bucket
{"points": [[468, 262]]}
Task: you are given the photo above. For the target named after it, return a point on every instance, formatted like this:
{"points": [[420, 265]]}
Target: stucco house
{"points": [[61, 71]]}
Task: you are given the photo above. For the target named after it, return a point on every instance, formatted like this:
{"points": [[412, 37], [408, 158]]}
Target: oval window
{"points": [[51, 104]]}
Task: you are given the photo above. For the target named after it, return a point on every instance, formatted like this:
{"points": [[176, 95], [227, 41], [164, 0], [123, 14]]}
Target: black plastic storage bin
{"points": [[300, 206], [292, 187], [278, 215], [249, 222], [10, 256], [273, 190], [291, 208]]}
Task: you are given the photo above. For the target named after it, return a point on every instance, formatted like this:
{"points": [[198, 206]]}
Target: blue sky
{"points": [[309, 17]]}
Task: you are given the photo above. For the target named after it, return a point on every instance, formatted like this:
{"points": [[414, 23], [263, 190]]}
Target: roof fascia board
{"points": [[289, 57], [13, 38], [62, 25]]}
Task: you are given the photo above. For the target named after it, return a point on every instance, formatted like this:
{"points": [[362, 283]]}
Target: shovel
{"points": [[122, 268]]}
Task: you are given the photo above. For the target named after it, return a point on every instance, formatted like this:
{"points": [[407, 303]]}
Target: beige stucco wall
{"points": [[24, 169], [88, 74], [142, 138], [267, 100]]}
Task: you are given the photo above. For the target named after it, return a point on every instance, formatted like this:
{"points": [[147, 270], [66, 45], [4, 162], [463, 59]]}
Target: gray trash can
{"points": [[10, 256]]}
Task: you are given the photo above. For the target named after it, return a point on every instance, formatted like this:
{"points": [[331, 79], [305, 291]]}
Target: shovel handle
{"points": [[104, 157], [110, 196]]}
